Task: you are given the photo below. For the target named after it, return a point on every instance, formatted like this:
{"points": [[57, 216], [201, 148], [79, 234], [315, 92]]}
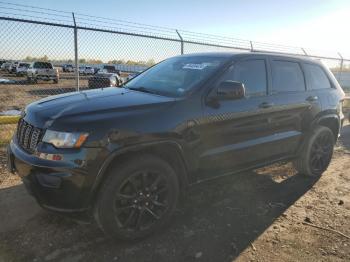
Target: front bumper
{"points": [[56, 185]]}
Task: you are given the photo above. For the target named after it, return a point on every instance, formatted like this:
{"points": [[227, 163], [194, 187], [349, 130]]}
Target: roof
{"points": [[242, 53]]}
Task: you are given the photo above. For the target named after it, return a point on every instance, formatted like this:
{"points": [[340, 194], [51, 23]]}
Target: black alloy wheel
{"points": [[137, 198], [141, 200], [316, 152], [321, 152]]}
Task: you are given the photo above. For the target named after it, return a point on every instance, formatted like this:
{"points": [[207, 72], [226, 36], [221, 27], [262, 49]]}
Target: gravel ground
{"points": [[253, 216]]}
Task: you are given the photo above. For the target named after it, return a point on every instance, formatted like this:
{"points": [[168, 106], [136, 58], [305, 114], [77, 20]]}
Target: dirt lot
{"points": [[18, 94], [253, 216]]}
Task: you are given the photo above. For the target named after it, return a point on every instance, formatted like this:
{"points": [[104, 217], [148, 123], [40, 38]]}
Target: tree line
{"points": [[45, 58]]}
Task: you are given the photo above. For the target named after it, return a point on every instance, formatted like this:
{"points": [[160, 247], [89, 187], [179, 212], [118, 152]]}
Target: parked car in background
{"points": [[100, 80], [86, 70], [68, 68], [42, 71], [5, 66], [111, 69], [96, 70], [2, 62], [22, 68], [128, 154], [12, 68]]}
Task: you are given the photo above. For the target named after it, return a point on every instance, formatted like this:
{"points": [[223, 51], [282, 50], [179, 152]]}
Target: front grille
{"points": [[28, 136]]}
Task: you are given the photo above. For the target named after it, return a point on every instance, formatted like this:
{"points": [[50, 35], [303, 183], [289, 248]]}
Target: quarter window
{"points": [[287, 77], [252, 73], [316, 77]]}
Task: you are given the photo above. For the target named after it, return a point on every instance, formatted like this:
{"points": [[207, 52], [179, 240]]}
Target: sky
{"points": [[320, 24], [314, 24]]}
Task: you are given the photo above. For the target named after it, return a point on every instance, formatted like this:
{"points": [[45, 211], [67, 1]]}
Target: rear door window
{"points": [[316, 78], [287, 76]]}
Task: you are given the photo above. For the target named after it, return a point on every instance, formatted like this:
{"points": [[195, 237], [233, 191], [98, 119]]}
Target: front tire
{"points": [[316, 153], [138, 197]]}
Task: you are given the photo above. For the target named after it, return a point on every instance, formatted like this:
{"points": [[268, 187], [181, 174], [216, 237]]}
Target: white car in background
{"points": [[42, 71], [13, 66], [5, 66], [86, 70], [22, 68]]}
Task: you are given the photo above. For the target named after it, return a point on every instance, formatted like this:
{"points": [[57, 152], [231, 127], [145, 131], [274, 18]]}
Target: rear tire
{"points": [[316, 153], [137, 198]]}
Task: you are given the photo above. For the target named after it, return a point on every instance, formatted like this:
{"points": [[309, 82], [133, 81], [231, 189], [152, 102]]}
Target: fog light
{"points": [[53, 157]]}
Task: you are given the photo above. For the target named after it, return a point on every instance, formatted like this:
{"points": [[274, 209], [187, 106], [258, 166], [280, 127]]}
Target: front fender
{"points": [[135, 148]]}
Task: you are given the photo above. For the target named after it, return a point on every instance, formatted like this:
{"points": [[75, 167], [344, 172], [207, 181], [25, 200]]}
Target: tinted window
{"points": [[42, 65], [252, 74], [316, 77], [287, 77]]}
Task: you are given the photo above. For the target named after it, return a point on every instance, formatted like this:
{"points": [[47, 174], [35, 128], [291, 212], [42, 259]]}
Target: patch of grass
{"points": [[6, 133]]}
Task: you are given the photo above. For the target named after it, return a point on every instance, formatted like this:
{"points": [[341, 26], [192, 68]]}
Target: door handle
{"points": [[312, 98], [266, 105]]}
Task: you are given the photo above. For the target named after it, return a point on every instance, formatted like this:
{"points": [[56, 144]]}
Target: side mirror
{"points": [[230, 90]]}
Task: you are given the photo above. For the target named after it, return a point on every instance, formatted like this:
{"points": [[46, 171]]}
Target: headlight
{"points": [[112, 81], [64, 139]]}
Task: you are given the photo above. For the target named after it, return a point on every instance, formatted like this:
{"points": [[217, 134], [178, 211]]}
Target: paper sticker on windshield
{"points": [[195, 66]]}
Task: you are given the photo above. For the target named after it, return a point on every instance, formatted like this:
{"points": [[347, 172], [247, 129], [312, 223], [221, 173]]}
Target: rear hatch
{"points": [[45, 69], [99, 81]]}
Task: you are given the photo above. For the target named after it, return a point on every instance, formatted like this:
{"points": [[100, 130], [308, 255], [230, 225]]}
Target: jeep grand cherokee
{"points": [[128, 153]]}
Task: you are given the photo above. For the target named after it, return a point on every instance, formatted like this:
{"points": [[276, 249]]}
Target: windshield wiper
{"points": [[143, 89]]}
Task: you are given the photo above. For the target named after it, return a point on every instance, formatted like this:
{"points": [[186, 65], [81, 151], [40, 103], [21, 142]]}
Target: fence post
{"points": [[76, 54], [182, 42], [341, 67]]}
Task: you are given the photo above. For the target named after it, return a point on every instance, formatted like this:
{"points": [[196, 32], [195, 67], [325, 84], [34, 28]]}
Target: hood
{"points": [[91, 104]]}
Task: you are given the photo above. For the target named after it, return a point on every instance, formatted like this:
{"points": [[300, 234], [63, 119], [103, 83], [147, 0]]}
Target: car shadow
{"points": [[216, 222]]}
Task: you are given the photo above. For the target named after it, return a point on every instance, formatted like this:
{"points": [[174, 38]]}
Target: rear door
{"points": [[291, 105]]}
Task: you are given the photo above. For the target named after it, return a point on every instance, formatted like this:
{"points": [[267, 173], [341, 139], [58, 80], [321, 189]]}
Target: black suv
{"points": [[127, 154]]}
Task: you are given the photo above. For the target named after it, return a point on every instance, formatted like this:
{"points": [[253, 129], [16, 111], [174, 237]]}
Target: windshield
{"points": [[176, 76]]}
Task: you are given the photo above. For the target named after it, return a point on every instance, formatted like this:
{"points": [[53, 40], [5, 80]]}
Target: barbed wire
{"points": [[8, 14], [36, 7]]}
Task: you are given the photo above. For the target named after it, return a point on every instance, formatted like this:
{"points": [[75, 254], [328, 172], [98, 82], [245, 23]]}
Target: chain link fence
{"points": [[91, 52]]}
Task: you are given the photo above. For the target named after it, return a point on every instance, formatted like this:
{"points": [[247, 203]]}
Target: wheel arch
{"points": [[169, 151], [331, 121]]}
